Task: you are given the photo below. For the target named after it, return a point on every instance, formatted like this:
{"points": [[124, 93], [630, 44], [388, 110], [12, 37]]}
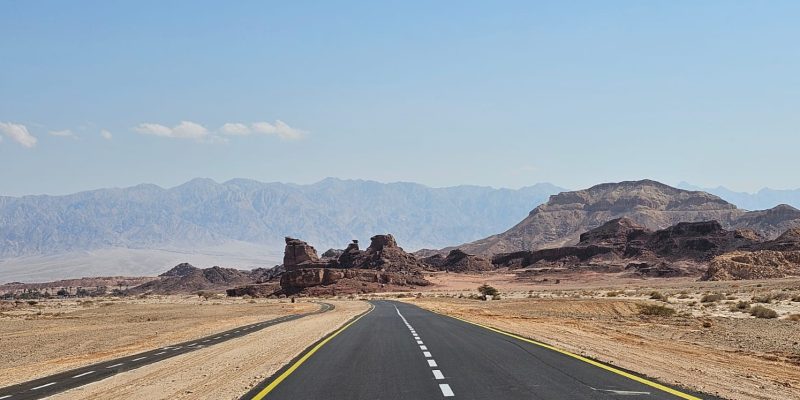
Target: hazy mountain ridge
{"points": [[761, 200], [202, 212]]}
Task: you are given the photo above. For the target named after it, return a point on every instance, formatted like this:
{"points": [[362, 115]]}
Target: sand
{"points": [[223, 371], [53, 336]]}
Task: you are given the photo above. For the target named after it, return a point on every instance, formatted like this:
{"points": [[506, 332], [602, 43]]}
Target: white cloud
{"points": [[106, 134], [184, 130], [235, 129], [64, 133], [18, 133], [280, 129]]}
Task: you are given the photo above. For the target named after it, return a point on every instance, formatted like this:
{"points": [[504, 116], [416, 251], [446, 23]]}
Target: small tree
{"points": [[487, 290]]}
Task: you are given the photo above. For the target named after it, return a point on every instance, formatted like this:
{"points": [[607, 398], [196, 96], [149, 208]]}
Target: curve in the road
{"points": [[400, 351], [50, 385]]}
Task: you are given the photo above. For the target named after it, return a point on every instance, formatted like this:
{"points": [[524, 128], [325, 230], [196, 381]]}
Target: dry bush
{"points": [[656, 310], [711, 298], [658, 296], [794, 317], [763, 312], [742, 306]]}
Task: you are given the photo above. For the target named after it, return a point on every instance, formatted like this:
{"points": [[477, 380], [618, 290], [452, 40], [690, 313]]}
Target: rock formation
{"points": [[459, 261], [185, 278], [623, 244], [382, 266]]}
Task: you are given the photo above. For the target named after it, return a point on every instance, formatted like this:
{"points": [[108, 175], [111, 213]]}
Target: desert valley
{"points": [[639, 275]]}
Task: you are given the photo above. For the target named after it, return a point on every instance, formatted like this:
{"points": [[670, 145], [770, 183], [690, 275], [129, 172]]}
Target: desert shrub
{"points": [[762, 298], [763, 312], [496, 297], [656, 309], [742, 306], [730, 298], [612, 294], [794, 317], [32, 302], [711, 298], [487, 290], [796, 298], [707, 324], [683, 296], [658, 296]]}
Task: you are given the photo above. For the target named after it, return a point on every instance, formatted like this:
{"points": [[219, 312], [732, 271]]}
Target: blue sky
{"points": [[503, 94]]}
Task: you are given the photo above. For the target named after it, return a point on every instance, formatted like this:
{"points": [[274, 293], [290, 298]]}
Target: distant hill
{"points": [[761, 200], [203, 213], [653, 205]]}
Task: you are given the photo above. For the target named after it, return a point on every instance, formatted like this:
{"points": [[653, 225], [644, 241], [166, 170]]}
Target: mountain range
{"points": [[202, 213], [761, 200]]}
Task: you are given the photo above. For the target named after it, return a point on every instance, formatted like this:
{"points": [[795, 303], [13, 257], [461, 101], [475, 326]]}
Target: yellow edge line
{"points": [[305, 357], [584, 359]]}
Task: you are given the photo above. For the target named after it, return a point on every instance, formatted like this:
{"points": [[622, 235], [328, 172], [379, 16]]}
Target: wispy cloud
{"points": [[235, 129], [184, 130], [280, 129], [18, 133], [64, 133], [106, 134]]}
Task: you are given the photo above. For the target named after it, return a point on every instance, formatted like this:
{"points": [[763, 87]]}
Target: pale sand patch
{"points": [[223, 371], [69, 335], [755, 364]]}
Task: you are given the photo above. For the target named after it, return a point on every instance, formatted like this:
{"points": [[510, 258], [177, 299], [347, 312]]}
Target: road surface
{"points": [[400, 351], [60, 382]]}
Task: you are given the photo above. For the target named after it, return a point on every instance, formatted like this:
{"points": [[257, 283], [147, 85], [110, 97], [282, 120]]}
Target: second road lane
{"points": [[400, 351]]}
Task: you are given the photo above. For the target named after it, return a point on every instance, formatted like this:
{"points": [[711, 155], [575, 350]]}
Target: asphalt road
{"points": [[399, 351], [43, 387]]}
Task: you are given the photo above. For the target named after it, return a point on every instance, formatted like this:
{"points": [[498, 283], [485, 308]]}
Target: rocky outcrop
{"points": [[459, 261], [182, 279], [788, 241], [383, 266], [182, 269], [622, 242], [299, 254], [256, 290], [646, 204], [763, 264]]}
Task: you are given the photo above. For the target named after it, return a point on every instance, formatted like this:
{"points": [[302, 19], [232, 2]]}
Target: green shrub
{"points": [[763, 312], [487, 290], [656, 309]]}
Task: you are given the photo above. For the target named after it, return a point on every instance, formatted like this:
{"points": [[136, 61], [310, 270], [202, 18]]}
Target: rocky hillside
{"points": [[653, 205], [762, 264], [684, 248], [202, 213], [185, 278]]}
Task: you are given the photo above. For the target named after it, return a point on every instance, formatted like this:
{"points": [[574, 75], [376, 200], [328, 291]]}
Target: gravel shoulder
{"points": [[226, 370]]}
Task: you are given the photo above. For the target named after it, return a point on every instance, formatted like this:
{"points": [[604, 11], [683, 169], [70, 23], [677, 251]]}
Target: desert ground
{"points": [[45, 337], [710, 343]]}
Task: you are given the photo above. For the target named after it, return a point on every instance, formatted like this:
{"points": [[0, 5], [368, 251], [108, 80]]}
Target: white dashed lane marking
{"points": [[446, 391], [437, 374], [83, 374], [114, 366], [5, 397], [44, 386], [138, 359]]}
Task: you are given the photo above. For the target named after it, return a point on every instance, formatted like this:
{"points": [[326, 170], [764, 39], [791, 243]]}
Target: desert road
{"points": [[400, 351], [47, 386]]}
